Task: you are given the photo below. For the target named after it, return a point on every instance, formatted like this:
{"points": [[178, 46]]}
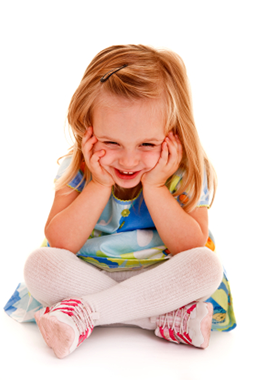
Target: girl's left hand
{"points": [[168, 163]]}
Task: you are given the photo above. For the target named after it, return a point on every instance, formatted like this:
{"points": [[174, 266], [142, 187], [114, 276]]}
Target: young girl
{"points": [[131, 201]]}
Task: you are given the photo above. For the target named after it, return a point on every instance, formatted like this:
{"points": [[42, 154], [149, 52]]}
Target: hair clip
{"points": [[106, 76]]}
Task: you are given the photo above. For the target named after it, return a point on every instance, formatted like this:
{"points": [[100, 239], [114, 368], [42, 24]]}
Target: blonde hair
{"points": [[150, 74]]}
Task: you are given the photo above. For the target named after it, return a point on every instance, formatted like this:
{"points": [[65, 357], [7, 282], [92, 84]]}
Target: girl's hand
{"points": [[168, 163], [99, 174]]}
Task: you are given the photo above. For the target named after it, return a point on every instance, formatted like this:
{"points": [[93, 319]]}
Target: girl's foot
{"points": [[65, 325], [190, 324]]}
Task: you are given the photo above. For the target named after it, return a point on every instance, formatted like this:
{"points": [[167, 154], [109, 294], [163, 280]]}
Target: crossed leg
{"points": [[52, 275]]}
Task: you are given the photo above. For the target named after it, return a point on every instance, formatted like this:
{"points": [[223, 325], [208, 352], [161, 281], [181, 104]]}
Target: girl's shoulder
{"points": [[63, 166], [174, 185], [77, 181]]}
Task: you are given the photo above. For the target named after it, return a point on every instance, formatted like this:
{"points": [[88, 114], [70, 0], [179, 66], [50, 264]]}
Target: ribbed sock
{"points": [[52, 275], [189, 276]]}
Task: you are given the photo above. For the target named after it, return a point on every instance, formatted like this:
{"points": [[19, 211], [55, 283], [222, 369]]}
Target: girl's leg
{"points": [[189, 276], [53, 274]]}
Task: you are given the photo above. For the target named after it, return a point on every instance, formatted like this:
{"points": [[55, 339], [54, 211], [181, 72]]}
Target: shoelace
{"points": [[171, 320], [79, 313]]}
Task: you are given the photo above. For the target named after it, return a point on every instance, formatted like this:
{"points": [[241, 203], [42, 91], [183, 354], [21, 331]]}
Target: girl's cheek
{"points": [[152, 159]]}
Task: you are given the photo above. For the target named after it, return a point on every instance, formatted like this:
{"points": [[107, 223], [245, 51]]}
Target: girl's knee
{"points": [[42, 270], [41, 264], [203, 265], [35, 264], [209, 265]]}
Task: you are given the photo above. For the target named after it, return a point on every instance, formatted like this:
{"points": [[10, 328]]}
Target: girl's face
{"points": [[131, 133]]}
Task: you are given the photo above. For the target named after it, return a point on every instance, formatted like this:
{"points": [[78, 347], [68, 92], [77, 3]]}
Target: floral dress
{"points": [[125, 238]]}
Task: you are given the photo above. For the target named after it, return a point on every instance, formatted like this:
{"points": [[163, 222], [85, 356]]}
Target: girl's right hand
{"points": [[99, 174]]}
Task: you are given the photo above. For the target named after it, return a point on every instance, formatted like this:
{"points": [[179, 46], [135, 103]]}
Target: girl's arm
{"points": [[74, 216], [178, 229]]}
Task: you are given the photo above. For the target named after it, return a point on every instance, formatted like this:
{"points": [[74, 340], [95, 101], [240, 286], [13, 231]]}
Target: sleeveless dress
{"points": [[125, 238]]}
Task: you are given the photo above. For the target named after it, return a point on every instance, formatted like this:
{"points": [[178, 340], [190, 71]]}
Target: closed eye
{"points": [[148, 144], [110, 142]]}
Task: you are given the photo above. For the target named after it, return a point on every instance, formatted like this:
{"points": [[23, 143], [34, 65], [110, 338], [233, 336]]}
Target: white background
{"points": [[45, 48]]}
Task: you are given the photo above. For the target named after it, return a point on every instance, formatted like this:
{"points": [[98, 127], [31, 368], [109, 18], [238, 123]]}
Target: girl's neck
{"points": [[127, 194]]}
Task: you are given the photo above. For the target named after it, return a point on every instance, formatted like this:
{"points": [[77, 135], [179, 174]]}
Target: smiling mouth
{"points": [[126, 174]]}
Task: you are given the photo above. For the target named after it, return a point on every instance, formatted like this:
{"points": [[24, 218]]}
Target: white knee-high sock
{"points": [[53, 274], [187, 277]]}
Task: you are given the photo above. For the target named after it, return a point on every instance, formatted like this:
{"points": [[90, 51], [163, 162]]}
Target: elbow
{"points": [[49, 237], [60, 240], [197, 242], [56, 241]]}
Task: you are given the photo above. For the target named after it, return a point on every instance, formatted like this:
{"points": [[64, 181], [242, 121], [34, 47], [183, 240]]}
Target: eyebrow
{"points": [[148, 139]]}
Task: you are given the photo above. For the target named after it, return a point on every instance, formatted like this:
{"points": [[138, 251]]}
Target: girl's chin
{"points": [[127, 184]]}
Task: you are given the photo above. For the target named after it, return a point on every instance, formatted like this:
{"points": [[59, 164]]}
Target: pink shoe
{"points": [[190, 324], [65, 325]]}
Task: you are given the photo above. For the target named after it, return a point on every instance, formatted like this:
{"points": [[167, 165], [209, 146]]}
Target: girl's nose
{"points": [[129, 160]]}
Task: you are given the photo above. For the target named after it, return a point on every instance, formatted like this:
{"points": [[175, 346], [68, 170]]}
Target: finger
{"points": [[87, 134], [172, 146], [87, 149], [85, 139], [180, 150], [88, 145], [96, 157], [173, 138], [175, 156], [92, 161], [99, 153], [96, 165], [165, 152], [178, 140], [179, 147]]}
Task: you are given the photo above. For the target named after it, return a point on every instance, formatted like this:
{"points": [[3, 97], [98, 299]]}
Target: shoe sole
{"points": [[206, 325], [57, 335]]}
